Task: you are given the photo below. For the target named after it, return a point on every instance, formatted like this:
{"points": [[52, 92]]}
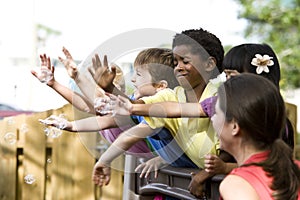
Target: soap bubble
{"points": [[45, 75], [24, 128], [10, 121], [10, 138], [102, 105], [52, 132], [29, 179], [49, 160], [54, 125]]}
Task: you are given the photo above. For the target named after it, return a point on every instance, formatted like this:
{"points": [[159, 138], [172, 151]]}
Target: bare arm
{"points": [[88, 87], [125, 141], [72, 97], [168, 109], [89, 124], [101, 171]]}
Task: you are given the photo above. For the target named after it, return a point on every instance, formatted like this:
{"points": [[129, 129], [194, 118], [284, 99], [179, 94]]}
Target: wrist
{"points": [[103, 161]]}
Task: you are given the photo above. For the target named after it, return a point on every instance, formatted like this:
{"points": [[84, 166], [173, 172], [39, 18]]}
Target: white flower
{"points": [[262, 63]]}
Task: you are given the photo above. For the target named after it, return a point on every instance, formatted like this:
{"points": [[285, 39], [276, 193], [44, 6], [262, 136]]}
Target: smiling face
{"points": [[189, 67], [142, 81]]}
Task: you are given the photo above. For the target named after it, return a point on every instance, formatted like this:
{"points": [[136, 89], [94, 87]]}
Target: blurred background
{"points": [[32, 27]]}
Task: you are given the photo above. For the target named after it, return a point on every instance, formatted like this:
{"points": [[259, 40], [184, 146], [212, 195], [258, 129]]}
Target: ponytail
{"points": [[281, 166]]}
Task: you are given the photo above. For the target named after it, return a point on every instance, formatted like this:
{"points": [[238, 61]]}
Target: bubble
{"points": [[29, 179], [10, 138], [62, 122], [52, 132], [45, 75], [103, 106], [24, 128], [49, 160], [10, 121]]}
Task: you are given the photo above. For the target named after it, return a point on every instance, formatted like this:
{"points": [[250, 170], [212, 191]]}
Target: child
{"points": [[249, 58]]}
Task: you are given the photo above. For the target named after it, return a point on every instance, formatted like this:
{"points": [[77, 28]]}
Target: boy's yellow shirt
{"points": [[195, 136]]}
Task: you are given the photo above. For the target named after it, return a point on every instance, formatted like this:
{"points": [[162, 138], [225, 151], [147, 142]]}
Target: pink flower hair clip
{"points": [[262, 63]]}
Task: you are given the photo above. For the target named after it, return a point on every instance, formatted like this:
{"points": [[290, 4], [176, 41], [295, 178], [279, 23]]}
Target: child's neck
{"points": [[194, 94]]}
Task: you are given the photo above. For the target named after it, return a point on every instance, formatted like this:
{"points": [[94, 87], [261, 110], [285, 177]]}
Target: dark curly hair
{"points": [[199, 40]]}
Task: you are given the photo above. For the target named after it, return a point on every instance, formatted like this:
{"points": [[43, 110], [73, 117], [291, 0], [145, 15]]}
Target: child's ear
{"points": [[163, 84], [211, 64]]}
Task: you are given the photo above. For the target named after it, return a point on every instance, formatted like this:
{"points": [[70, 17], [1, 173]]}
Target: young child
{"points": [[147, 82], [266, 166], [198, 58], [257, 59]]}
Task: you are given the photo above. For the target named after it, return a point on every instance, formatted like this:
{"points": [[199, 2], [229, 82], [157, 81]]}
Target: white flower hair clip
{"points": [[262, 63]]}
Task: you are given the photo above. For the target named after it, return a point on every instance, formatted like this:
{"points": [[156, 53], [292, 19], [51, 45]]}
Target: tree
{"points": [[277, 23]]}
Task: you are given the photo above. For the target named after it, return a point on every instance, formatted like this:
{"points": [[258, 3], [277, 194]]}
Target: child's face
{"points": [[188, 67], [142, 81]]}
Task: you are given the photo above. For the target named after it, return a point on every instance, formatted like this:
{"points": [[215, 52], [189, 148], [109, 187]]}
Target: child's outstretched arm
{"points": [[118, 147], [89, 124], [88, 87], [46, 75], [123, 106]]}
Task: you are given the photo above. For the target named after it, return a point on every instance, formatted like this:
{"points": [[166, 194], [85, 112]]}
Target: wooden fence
{"points": [[34, 166]]}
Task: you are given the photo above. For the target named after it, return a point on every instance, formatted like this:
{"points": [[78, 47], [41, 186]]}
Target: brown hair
{"points": [[160, 63]]}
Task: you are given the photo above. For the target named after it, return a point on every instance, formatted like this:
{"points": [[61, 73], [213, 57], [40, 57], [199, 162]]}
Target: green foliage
{"points": [[277, 23]]}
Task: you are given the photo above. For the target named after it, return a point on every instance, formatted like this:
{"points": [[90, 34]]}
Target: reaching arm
{"points": [[123, 106], [125, 141], [168, 109], [79, 101], [101, 171], [89, 124], [88, 87]]}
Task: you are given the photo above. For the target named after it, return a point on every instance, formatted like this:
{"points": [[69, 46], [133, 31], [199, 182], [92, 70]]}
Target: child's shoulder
{"points": [[162, 95]]}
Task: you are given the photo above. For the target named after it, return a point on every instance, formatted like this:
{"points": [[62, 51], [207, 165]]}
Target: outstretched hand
{"points": [[46, 73], [69, 64], [56, 121], [111, 104], [101, 174], [103, 74]]}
